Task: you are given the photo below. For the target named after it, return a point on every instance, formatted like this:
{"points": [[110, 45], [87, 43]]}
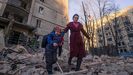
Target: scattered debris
{"points": [[17, 60]]}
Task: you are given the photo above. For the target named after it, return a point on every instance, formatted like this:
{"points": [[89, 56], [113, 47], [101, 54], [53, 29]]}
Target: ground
{"points": [[20, 61]]}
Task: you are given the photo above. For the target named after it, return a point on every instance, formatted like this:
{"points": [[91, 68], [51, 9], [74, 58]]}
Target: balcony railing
{"points": [[131, 43], [19, 4]]}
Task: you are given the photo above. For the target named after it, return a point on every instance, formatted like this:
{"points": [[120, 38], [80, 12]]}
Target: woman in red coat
{"points": [[77, 47]]}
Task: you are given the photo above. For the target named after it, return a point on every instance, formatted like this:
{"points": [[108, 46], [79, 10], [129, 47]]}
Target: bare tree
{"points": [[105, 7], [116, 22]]}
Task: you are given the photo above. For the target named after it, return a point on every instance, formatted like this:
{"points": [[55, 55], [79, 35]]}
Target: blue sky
{"points": [[75, 6]]}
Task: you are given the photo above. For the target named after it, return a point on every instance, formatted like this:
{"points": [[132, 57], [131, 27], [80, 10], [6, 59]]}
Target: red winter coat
{"points": [[77, 47]]}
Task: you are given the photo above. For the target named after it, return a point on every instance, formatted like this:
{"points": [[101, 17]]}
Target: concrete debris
{"points": [[18, 61]]}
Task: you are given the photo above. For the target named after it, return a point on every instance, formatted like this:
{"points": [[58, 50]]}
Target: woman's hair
{"points": [[75, 15]]}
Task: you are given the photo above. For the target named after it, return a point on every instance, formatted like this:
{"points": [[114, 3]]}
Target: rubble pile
{"points": [[105, 65], [18, 60]]}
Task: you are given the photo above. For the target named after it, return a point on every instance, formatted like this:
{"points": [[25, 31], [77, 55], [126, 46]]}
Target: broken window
{"points": [[109, 39], [42, 0], [18, 18], [100, 35], [123, 43], [41, 10], [17, 38], [100, 41], [119, 44], [106, 28], [107, 34], [6, 14], [23, 4], [121, 50], [127, 28], [38, 23], [125, 50], [13, 38]]}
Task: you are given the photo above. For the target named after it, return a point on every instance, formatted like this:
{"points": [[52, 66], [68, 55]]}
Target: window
{"points": [[23, 4], [131, 27], [121, 37], [119, 44], [127, 22], [98, 30], [130, 39], [100, 35], [42, 0], [127, 28], [106, 28], [109, 33], [100, 41], [6, 14], [109, 39], [18, 18], [125, 50], [119, 30], [121, 50], [38, 23], [41, 10], [123, 43]]}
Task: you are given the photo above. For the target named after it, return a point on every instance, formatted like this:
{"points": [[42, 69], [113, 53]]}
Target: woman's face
{"points": [[75, 18]]}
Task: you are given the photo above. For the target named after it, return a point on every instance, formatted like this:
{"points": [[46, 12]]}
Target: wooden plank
{"points": [[60, 68], [75, 72]]}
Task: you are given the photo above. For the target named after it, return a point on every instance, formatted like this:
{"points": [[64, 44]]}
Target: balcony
{"points": [[4, 22], [131, 43], [23, 5], [130, 34], [18, 9], [19, 15]]}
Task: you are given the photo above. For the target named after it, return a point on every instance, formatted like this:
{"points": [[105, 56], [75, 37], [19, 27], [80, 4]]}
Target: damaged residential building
{"points": [[118, 32], [22, 21]]}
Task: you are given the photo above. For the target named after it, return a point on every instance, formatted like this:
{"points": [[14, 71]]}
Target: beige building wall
{"points": [[38, 16], [50, 13], [46, 15]]}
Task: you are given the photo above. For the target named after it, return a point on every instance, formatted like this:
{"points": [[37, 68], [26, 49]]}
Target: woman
{"points": [[77, 48]]}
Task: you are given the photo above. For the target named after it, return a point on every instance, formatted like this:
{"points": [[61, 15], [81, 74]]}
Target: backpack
{"points": [[44, 41]]}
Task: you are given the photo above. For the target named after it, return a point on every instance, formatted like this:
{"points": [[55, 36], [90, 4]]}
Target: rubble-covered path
{"points": [[19, 61]]}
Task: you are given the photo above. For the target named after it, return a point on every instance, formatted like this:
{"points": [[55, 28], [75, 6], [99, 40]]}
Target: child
{"points": [[54, 40]]}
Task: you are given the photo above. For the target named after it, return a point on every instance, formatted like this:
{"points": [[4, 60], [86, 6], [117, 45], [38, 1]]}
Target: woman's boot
{"points": [[79, 61]]}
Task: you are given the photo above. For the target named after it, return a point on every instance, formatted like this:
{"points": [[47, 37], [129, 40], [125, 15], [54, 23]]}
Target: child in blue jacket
{"points": [[54, 41]]}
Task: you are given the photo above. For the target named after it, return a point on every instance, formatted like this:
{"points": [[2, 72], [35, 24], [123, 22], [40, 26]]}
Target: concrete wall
{"points": [[55, 12], [2, 6], [52, 14], [2, 44]]}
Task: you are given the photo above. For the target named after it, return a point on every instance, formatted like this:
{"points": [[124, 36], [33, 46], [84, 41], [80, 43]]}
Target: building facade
{"points": [[22, 20], [118, 31]]}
